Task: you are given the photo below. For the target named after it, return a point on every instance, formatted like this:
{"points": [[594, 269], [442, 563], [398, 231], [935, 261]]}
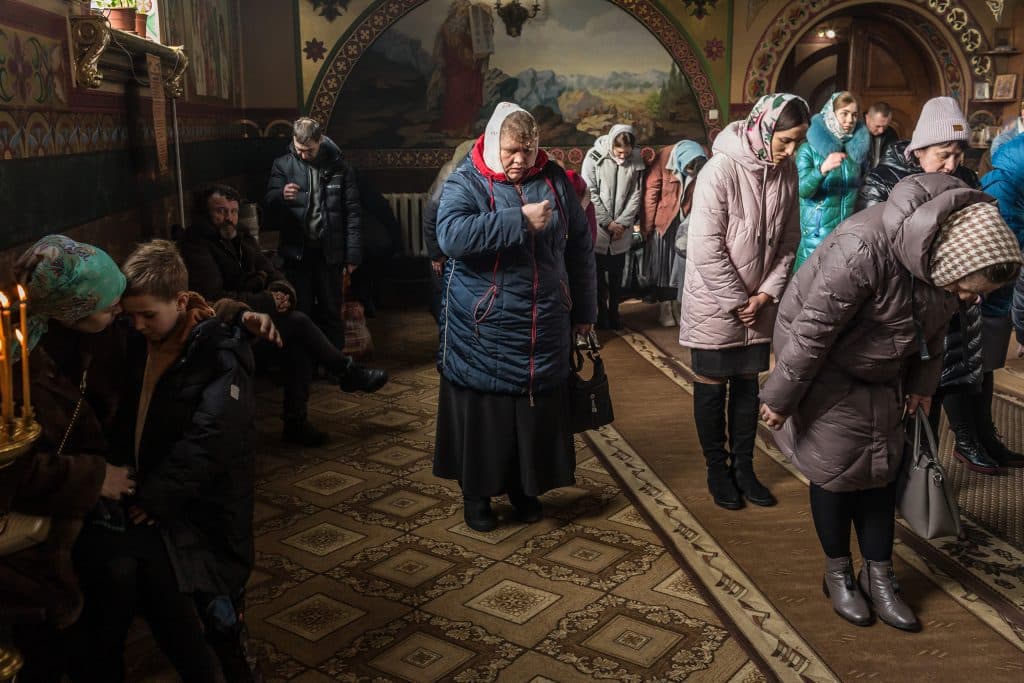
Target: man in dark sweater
{"points": [[223, 262]]}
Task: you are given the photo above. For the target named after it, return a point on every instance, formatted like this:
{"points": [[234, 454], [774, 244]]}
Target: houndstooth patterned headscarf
{"points": [[973, 238]]}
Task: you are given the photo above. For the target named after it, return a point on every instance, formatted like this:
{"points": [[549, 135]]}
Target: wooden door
{"points": [[886, 64]]}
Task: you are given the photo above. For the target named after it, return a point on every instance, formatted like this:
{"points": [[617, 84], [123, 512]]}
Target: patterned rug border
{"points": [[998, 608], [775, 641]]}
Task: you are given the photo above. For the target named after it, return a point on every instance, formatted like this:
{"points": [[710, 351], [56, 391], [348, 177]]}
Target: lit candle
{"points": [[26, 403], [4, 385], [5, 336]]}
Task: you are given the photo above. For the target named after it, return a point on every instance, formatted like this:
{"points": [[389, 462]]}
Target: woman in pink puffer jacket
{"points": [[743, 234]]}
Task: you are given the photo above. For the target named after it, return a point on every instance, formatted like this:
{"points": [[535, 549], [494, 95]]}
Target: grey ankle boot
{"points": [[878, 581], [847, 600]]}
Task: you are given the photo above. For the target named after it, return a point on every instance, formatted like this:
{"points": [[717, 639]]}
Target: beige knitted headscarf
{"points": [[973, 238]]}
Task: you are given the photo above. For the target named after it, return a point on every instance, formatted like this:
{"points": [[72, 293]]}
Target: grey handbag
{"points": [[926, 499]]}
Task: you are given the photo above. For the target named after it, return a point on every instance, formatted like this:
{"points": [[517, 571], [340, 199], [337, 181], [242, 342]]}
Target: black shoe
{"points": [[303, 433], [478, 514], [752, 489], [723, 488], [526, 508], [997, 450], [972, 454], [360, 378]]}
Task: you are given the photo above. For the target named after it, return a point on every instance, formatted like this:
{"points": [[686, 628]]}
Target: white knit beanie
{"points": [[941, 121]]}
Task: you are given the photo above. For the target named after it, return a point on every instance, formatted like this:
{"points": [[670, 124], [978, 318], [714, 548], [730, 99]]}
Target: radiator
{"points": [[408, 208]]}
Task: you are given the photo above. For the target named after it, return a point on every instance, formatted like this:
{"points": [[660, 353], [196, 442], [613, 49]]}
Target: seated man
{"points": [[222, 262]]}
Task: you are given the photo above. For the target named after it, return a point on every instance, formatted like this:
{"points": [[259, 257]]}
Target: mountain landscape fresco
{"points": [[425, 83]]}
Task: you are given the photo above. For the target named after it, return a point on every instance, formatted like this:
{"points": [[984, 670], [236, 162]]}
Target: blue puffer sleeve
{"points": [[466, 226]]}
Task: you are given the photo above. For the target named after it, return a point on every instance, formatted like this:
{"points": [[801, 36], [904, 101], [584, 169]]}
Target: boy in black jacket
{"points": [[189, 433]]}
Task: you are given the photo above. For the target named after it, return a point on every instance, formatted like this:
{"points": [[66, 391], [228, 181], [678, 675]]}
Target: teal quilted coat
{"points": [[826, 200]]}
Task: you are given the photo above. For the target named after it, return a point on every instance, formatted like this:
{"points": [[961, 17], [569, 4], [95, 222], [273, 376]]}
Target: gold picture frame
{"points": [[1004, 87]]}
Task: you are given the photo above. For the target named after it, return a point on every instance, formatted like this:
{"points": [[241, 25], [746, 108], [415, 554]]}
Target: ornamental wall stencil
{"points": [[997, 9], [353, 44], [700, 8], [799, 16], [330, 9]]}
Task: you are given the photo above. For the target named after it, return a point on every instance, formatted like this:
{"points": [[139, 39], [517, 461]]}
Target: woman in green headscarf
{"points": [[78, 287]]}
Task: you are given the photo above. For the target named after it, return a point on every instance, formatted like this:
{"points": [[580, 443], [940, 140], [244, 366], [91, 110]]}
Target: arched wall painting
{"points": [[433, 78]]}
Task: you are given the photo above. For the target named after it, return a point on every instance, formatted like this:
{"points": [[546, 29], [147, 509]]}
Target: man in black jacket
{"points": [[225, 263], [877, 119], [313, 199]]}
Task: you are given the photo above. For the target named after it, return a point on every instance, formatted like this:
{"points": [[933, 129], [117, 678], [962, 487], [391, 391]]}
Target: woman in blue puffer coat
{"points": [[519, 281], [831, 166], [1005, 182]]}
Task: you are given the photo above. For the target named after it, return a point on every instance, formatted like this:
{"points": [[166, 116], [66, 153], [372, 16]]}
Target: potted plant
{"points": [[120, 13], [143, 9]]}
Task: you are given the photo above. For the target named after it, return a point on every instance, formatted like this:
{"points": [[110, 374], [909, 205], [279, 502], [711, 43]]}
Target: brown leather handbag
{"points": [[926, 499]]}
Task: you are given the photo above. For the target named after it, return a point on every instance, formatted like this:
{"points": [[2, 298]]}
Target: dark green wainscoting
{"points": [[51, 194]]}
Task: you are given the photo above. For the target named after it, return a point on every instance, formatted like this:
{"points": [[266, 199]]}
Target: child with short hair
{"points": [[189, 534]]}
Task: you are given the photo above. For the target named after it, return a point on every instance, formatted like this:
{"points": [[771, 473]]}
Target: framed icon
{"points": [[1004, 87], [982, 90], [1002, 39]]}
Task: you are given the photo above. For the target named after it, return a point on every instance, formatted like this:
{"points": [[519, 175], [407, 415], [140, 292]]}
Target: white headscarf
{"points": [[492, 135]]}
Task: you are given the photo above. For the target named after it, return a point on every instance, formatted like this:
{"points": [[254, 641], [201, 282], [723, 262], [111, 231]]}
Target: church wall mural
{"points": [[433, 78]]}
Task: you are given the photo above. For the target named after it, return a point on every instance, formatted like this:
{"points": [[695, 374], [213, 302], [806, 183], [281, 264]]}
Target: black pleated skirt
{"points": [[736, 360], [493, 443]]}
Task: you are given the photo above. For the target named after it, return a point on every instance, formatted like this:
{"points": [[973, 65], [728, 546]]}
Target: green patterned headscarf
{"points": [[66, 281], [760, 125]]}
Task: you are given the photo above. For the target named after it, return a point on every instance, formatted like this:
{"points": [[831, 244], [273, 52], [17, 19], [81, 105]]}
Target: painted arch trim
{"points": [[379, 17]]}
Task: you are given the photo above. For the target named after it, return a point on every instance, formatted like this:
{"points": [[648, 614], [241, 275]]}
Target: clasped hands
{"points": [[747, 313]]}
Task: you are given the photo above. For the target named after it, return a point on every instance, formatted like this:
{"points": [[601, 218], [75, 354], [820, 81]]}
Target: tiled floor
{"points": [[366, 570]]}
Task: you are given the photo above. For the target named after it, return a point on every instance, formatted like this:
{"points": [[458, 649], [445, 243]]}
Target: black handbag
{"points": [[590, 402]]}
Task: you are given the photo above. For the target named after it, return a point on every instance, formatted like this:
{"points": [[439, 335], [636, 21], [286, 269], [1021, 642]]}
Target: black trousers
{"points": [[305, 345], [609, 287], [318, 288], [871, 511], [122, 573]]}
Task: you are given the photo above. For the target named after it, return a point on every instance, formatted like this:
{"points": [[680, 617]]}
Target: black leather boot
{"points": [[847, 600], [968, 447], [478, 513], [709, 414], [743, 406], [300, 431], [989, 436], [878, 582]]}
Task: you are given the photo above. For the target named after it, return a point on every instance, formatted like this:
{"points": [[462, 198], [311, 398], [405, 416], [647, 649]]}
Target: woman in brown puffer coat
{"points": [[858, 345]]}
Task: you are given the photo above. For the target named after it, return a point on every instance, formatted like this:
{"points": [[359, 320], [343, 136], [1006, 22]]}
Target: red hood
{"points": [[478, 161]]}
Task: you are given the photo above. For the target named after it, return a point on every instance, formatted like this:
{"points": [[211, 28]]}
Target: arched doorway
{"points": [[852, 50]]}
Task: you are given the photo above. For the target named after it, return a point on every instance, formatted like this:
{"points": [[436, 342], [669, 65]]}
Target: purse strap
{"points": [[922, 425], [78, 409], [576, 358]]}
